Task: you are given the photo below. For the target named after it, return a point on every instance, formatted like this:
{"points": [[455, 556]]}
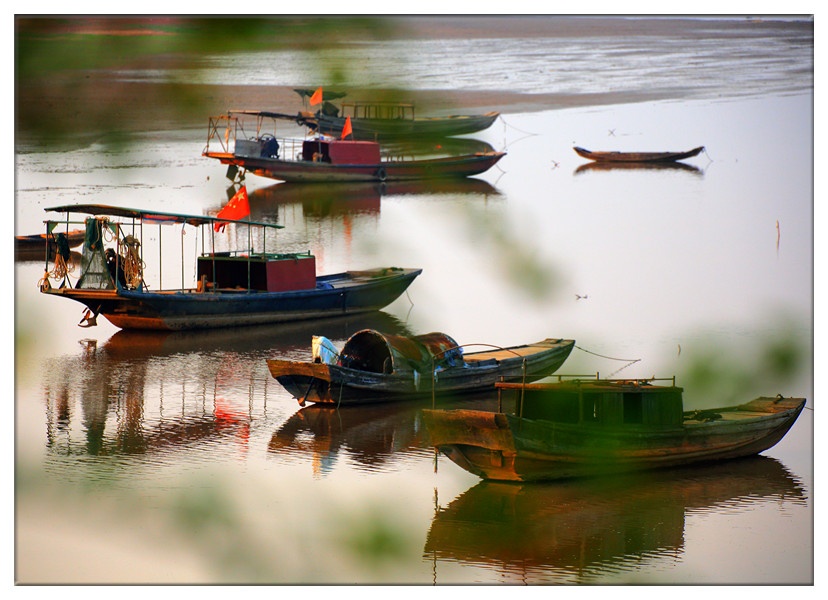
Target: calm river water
{"points": [[175, 458]]}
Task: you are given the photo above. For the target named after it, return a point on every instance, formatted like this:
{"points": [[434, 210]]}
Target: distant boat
{"points": [[598, 427], [248, 286], [372, 120], [377, 367], [35, 247], [406, 125], [329, 160], [637, 157]]}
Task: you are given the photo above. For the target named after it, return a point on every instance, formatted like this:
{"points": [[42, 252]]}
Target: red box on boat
{"points": [[274, 273], [293, 273], [354, 153]]}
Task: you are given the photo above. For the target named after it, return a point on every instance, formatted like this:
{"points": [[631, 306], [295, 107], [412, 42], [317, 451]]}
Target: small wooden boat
{"points": [[597, 427], [327, 160], [34, 246], [373, 120], [375, 367], [249, 286], [406, 125], [637, 157]]}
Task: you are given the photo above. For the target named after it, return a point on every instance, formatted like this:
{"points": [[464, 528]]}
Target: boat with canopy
{"points": [[238, 278]]}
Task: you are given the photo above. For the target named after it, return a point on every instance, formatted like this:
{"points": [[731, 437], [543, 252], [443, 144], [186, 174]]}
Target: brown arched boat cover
{"points": [[375, 352]]}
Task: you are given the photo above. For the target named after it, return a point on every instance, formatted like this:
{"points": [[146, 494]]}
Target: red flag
{"points": [[346, 129], [237, 208], [316, 98]]}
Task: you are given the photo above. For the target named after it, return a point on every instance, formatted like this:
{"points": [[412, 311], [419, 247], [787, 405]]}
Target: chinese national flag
{"points": [[346, 129], [316, 98], [238, 208]]}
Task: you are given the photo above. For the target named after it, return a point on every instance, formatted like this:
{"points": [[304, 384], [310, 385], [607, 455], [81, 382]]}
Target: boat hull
{"points": [[336, 385], [504, 447], [321, 172], [637, 157], [342, 294], [371, 129]]}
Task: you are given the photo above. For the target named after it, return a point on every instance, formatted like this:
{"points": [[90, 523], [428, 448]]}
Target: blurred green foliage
{"points": [[522, 265], [374, 538], [46, 45], [720, 375], [66, 69]]}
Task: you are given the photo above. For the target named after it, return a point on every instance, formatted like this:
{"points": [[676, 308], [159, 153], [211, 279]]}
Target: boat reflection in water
{"points": [[577, 531], [593, 167], [163, 392], [328, 217], [374, 436], [361, 197]]}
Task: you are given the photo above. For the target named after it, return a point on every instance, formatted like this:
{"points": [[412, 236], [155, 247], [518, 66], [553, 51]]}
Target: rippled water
{"points": [[177, 458], [702, 60]]}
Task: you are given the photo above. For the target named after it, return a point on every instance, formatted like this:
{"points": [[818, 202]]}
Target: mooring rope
{"points": [[629, 361], [529, 133]]}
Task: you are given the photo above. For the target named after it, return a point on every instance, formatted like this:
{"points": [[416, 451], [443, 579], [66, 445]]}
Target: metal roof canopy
{"points": [[153, 215]]}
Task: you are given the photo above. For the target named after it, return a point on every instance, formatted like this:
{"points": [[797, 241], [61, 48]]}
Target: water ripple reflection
{"points": [[578, 531], [172, 397]]}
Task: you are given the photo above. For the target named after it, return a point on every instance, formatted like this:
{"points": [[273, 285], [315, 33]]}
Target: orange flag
{"points": [[316, 98], [237, 208], [346, 129]]}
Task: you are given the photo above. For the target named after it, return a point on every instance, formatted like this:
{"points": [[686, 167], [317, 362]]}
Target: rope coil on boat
{"points": [[61, 267], [131, 261]]}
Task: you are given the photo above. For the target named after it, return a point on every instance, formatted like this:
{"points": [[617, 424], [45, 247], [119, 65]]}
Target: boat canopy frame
{"points": [[128, 236], [236, 125], [378, 110]]}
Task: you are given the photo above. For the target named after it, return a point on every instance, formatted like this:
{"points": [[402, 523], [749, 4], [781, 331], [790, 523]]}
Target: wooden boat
{"points": [[33, 246], [637, 157], [587, 428], [230, 288], [326, 160], [386, 120], [365, 126], [374, 367]]}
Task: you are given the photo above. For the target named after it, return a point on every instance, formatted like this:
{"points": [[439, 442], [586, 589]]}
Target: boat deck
{"points": [[500, 354]]}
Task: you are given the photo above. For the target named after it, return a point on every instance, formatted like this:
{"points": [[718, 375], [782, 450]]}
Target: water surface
{"points": [[176, 458]]}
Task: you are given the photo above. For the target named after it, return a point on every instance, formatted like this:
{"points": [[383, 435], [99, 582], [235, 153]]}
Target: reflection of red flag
{"points": [[346, 129], [316, 98], [237, 208]]}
